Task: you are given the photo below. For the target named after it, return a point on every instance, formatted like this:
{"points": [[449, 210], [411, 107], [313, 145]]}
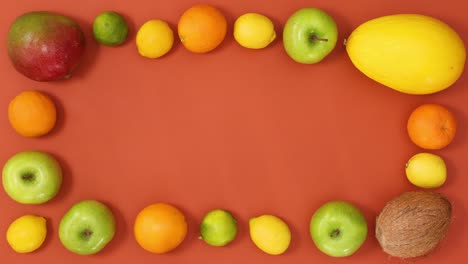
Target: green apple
{"points": [[338, 228], [309, 35], [87, 227], [32, 177]]}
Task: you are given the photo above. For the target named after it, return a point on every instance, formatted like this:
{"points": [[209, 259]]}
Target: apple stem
{"points": [[335, 233], [315, 38]]}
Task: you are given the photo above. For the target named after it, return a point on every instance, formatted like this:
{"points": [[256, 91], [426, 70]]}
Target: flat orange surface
{"points": [[250, 131]]}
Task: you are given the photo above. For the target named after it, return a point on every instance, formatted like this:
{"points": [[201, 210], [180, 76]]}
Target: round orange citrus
{"points": [[202, 28], [431, 126], [32, 113], [160, 228]]}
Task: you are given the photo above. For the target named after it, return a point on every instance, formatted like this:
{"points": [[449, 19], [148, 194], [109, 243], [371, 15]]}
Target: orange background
{"points": [[250, 131]]}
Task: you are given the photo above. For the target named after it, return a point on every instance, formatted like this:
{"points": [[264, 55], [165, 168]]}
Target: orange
{"points": [[431, 126], [160, 228], [32, 113], [202, 28]]}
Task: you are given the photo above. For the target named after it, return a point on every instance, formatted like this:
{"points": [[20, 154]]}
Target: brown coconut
{"points": [[412, 224]]}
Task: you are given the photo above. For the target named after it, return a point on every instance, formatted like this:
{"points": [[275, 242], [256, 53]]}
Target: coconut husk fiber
{"points": [[412, 224]]}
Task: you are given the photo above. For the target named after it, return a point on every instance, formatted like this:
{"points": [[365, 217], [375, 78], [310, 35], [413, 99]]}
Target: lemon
{"points": [[270, 234], [254, 31], [426, 170], [218, 228], [154, 39], [110, 28], [27, 233]]}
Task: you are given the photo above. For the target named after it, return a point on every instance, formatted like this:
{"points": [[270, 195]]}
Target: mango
{"points": [[410, 53], [45, 46]]}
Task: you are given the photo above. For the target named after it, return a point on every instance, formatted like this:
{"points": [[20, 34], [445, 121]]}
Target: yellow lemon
{"points": [[27, 233], [270, 234], [426, 170], [254, 31], [154, 39]]}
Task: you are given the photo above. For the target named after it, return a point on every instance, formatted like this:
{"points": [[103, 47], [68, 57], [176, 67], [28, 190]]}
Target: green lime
{"points": [[218, 228], [110, 28]]}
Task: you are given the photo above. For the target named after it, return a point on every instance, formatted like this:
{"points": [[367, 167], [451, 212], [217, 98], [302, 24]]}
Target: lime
{"points": [[154, 39], [218, 228], [110, 28], [270, 234], [27, 233], [426, 170], [254, 31]]}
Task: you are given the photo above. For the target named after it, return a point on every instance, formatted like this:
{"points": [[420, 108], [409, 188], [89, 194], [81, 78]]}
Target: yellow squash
{"points": [[411, 53]]}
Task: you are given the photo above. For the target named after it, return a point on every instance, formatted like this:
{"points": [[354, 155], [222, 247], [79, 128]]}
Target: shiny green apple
{"points": [[87, 227], [32, 177], [309, 35], [338, 228]]}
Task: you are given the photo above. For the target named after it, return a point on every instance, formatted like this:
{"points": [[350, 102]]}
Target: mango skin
{"points": [[45, 46], [410, 53]]}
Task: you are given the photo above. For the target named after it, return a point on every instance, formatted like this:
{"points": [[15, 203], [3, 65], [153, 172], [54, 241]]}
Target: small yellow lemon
{"points": [[270, 234], [154, 39], [426, 170], [254, 31], [27, 233]]}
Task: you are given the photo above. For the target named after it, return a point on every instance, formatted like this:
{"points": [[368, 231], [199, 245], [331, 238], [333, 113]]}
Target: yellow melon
{"points": [[410, 53]]}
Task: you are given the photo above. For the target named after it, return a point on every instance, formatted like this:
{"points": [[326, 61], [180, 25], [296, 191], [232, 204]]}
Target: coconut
{"points": [[412, 224]]}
